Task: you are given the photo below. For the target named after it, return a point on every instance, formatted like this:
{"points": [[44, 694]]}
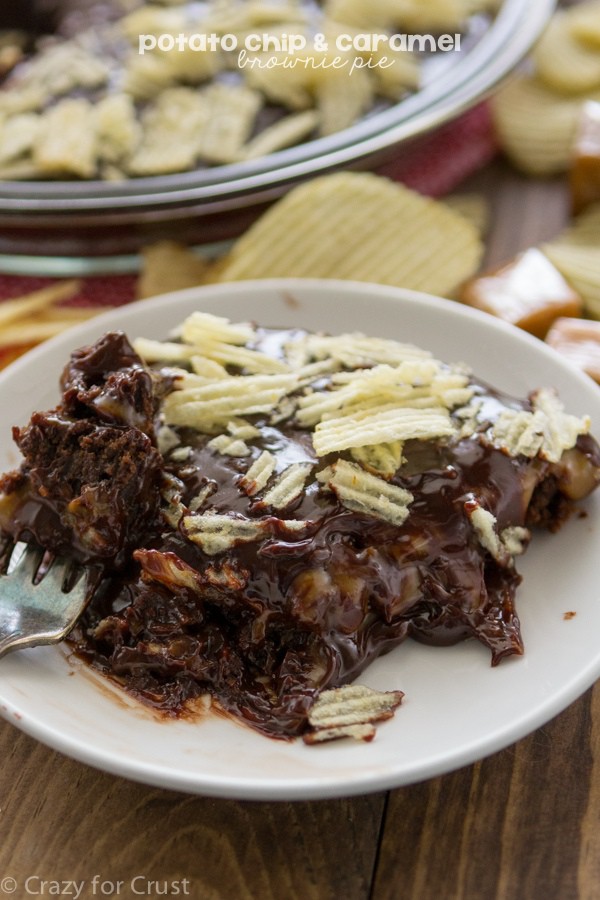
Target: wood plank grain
{"points": [[63, 820], [509, 827], [523, 212]]}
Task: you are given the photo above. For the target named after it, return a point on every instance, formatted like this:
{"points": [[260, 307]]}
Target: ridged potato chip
{"points": [[576, 254], [258, 474], [232, 112], [536, 125], [547, 431], [348, 432], [213, 404], [172, 126], [563, 62], [475, 208], [288, 486], [584, 23], [168, 266], [17, 136], [65, 143], [350, 711], [365, 493], [580, 265], [342, 96], [584, 231], [285, 133], [380, 459], [226, 445], [359, 227], [411, 15]]}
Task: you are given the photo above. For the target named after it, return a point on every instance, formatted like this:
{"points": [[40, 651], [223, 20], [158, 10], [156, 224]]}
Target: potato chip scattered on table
{"points": [[536, 126], [536, 115], [563, 62], [360, 227], [35, 317], [580, 265], [475, 208], [576, 254], [169, 266]]}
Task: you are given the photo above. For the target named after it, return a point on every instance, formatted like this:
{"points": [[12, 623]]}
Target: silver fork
{"points": [[38, 610]]}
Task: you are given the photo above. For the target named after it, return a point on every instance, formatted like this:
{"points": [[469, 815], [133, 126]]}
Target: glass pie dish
{"points": [[95, 218]]}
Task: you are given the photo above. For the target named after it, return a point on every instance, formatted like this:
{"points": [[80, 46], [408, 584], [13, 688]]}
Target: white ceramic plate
{"points": [[457, 708]]}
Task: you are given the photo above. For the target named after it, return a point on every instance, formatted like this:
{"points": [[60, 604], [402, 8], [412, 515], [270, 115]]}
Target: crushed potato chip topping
{"points": [[380, 459], [227, 445], [171, 492], [213, 404], [365, 493], [258, 474], [388, 424], [288, 486], [217, 533], [350, 711], [356, 395], [547, 431], [511, 542]]}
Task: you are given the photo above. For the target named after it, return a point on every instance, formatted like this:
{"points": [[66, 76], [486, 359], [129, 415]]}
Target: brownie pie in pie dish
{"points": [[263, 512]]}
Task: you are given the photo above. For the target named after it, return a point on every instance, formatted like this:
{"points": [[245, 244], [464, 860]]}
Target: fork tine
{"points": [[7, 545], [25, 561], [39, 612], [54, 579]]}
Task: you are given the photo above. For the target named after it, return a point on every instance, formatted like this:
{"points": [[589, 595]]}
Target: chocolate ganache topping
{"points": [[208, 577]]}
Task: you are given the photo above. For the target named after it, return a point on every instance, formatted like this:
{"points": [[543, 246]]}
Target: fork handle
{"points": [[8, 642], [18, 641]]}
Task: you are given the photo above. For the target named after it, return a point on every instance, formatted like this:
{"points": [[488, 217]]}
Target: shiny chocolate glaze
{"points": [[267, 625]]}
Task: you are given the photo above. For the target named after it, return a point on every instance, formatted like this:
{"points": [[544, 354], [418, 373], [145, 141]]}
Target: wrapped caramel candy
{"points": [[584, 174], [578, 340], [528, 292]]}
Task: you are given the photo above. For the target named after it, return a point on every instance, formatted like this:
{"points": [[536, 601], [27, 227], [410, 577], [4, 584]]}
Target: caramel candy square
{"points": [[578, 340], [528, 292], [584, 173]]}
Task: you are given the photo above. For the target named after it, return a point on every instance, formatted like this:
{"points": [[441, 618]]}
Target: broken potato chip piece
{"points": [[350, 711], [168, 266]]}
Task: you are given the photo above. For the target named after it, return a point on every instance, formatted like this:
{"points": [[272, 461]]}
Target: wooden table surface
{"points": [[521, 825]]}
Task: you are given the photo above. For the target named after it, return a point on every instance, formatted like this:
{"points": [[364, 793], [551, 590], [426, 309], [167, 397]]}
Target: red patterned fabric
{"points": [[440, 162]]}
